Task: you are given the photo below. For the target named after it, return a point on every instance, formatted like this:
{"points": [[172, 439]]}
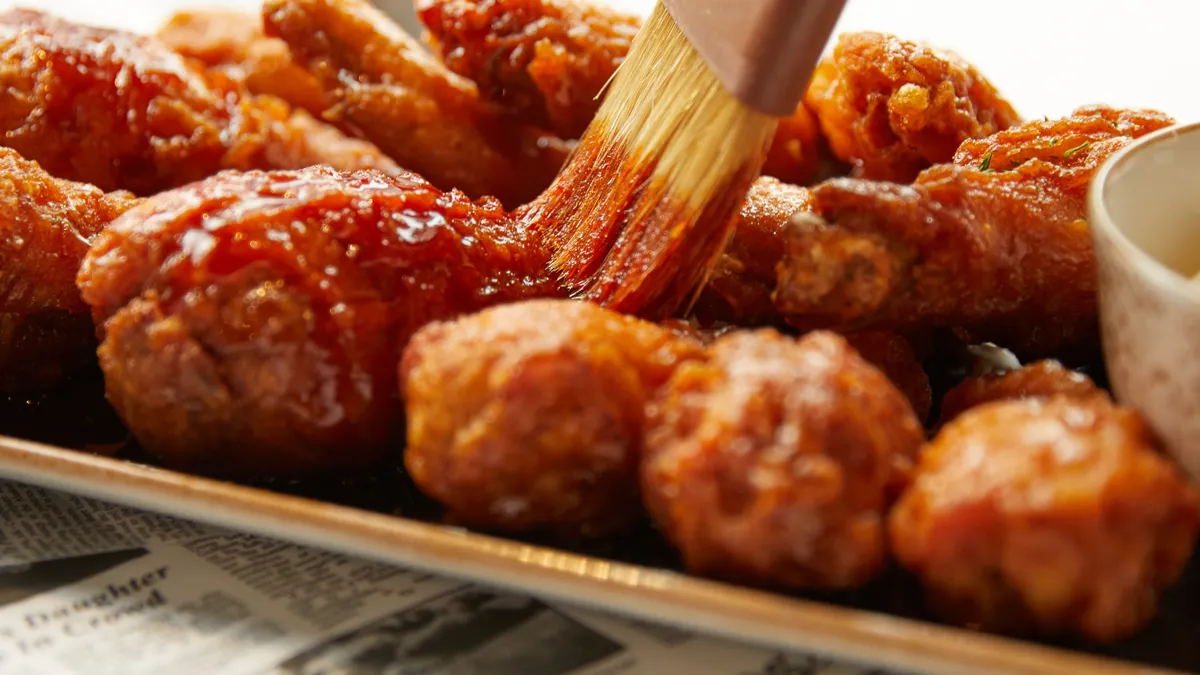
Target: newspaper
{"points": [[90, 588]]}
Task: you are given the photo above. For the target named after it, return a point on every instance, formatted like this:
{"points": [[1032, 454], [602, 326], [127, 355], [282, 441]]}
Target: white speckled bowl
{"points": [[1144, 210]]}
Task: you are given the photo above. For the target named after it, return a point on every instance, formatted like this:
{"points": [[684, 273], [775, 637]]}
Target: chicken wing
{"points": [[773, 461], [124, 112], [546, 62], [740, 285], [252, 322], [383, 84], [1052, 517], [1040, 380], [996, 244], [529, 417], [891, 107], [234, 43], [542, 61], [46, 225]]}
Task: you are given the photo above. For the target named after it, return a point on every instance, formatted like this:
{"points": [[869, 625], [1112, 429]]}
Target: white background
{"points": [[1046, 56]]}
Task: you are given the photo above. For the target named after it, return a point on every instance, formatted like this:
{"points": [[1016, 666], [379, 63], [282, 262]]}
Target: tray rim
{"points": [[712, 607]]}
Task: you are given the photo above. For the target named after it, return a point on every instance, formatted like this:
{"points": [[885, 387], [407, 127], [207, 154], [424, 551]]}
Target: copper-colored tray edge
{"points": [[649, 594]]}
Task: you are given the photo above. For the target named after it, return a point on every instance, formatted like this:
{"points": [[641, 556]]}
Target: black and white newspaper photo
{"points": [[89, 588]]}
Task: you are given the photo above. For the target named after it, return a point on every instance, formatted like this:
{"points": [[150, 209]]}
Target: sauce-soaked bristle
{"points": [[645, 206]]}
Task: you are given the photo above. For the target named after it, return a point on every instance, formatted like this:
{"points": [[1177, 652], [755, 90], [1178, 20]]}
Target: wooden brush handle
{"points": [[763, 51]]}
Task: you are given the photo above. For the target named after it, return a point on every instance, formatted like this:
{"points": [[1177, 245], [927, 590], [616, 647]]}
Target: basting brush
{"points": [[645, 205]]}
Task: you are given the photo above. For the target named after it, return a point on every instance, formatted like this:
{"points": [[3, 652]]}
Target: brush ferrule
{"points": [[763, 51]]}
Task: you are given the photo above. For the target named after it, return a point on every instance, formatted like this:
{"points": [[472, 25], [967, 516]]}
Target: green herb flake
{"points": [[1017, 162], [1081, 146], [986, 164]]}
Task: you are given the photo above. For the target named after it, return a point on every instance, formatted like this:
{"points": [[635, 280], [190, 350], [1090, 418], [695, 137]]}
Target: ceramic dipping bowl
{"points": [[1144, 214]]}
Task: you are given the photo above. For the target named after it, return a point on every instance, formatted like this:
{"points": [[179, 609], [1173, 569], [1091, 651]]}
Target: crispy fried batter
{"points": [[46, 225], [253, 321], [234, 43], [997, 247], [124, 112], [384, 85], [891, 107], [773, 461], [893, 355], [545, 62], [1050, 517], [305, 141], [530, 416], [740, 286], [798, 152], [1041, 380]]}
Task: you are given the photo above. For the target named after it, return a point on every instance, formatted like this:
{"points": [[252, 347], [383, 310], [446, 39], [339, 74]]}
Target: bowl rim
{"points": [[1102, 223]]}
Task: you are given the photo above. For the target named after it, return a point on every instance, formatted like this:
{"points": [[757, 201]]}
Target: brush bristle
{"points": [[646, 204]]}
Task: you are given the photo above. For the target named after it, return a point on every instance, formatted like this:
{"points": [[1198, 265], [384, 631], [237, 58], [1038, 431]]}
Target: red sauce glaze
{"points": [[267, 311]]}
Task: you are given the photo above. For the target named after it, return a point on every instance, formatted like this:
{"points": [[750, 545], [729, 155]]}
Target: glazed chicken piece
{"points": [[773, 461], [233, 42], [46, 225], [546, 62], [529, 417], [995, 244], [890, 107], [383, 84], [542, 61], [740, 285], [252, 322], [124, 112], [305, 141], [1040, 380], [1052, 517], [895, 357]]}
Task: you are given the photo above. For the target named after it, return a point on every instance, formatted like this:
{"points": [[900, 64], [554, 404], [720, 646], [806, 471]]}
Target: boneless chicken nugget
{"points": [[894, 356], [1047, 516], [252, 322], [529, 416], [773, 461], [1043, 379]]}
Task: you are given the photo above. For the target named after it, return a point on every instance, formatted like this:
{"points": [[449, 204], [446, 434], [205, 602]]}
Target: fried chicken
{"points": [[773, 461], [305, 141], [1040, 380], [234, 43], [891, 108], [740, 285], [529, 417], [252, 322], [996, 244], [46, 225], [894, 356], [124, 112], [383, 84], [542, 61], [1051, 517], [546, 62]]}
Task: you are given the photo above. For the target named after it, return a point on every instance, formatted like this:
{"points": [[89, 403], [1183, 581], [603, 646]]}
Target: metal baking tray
{"points": [[79, 446]]}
